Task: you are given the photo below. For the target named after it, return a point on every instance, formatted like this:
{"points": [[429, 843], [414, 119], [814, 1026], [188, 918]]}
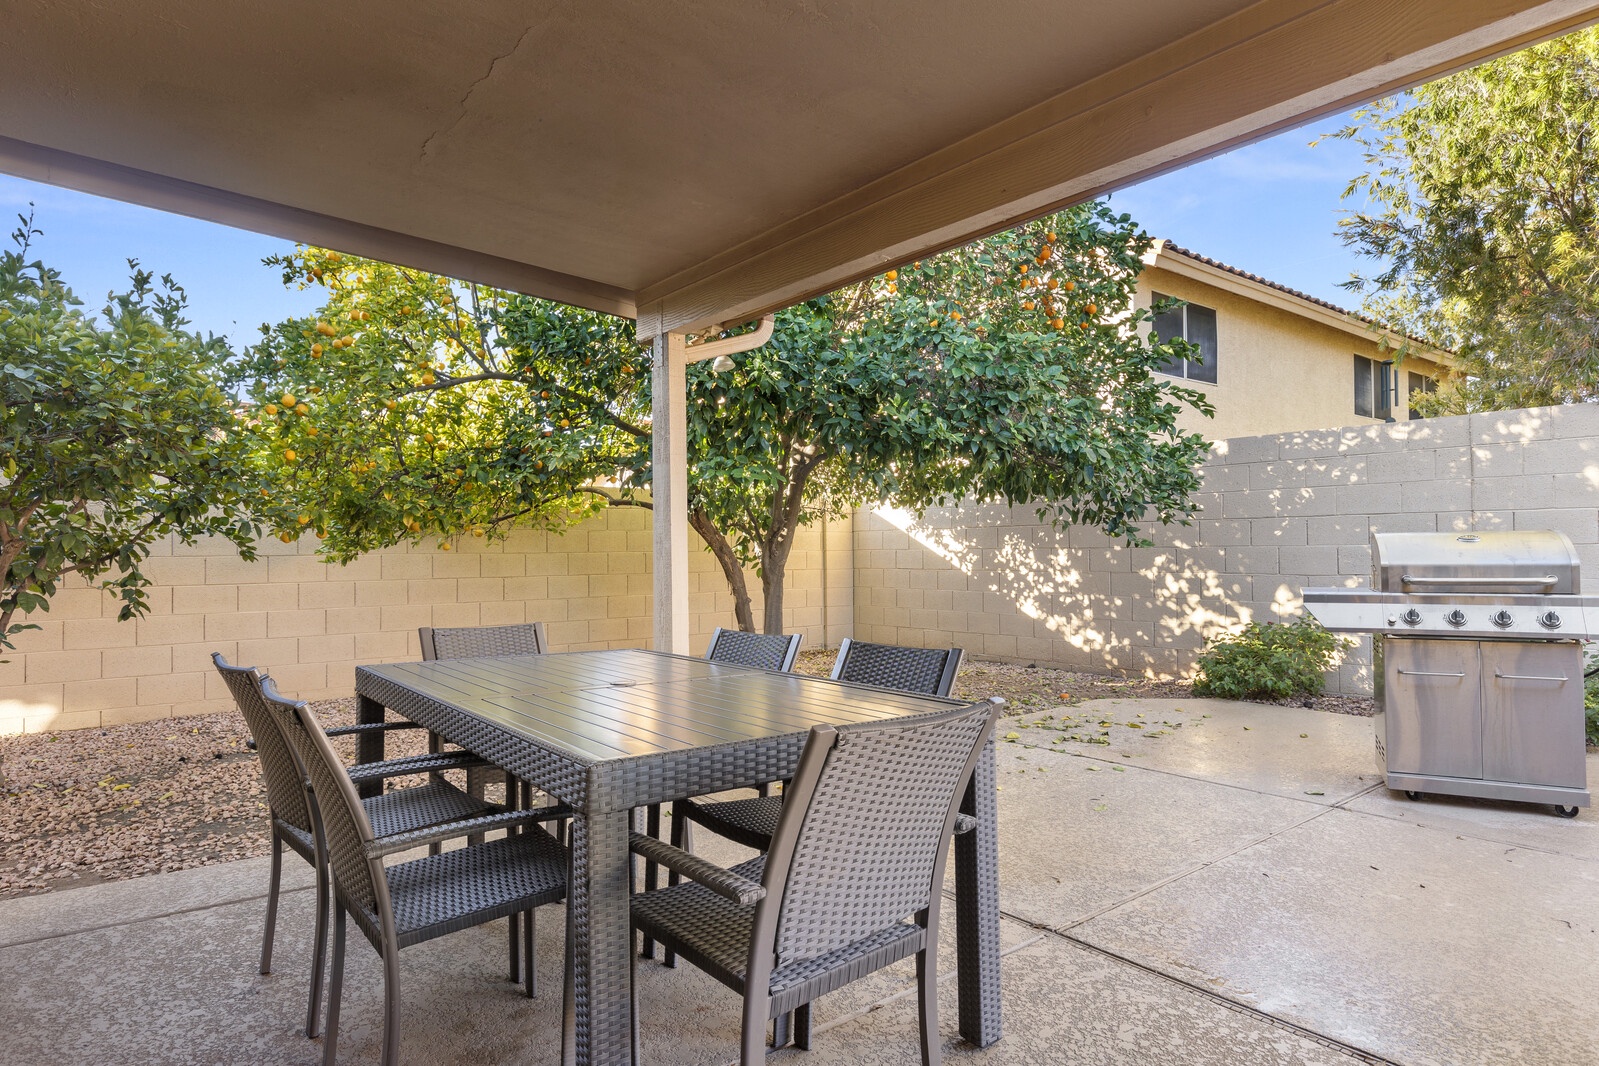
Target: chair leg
{"points": [[927, 1000], [515, 922], [319, 954], [680, 839], [530, 985], [752, 1050], [782, 1031], [802, 1027], [652, 871], [391, 1007], [330, 1035], [273, 880]]}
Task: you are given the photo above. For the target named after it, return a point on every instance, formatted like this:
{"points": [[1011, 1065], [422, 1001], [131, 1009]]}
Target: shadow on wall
{"points": [[1008, 586], [1276, 513]]}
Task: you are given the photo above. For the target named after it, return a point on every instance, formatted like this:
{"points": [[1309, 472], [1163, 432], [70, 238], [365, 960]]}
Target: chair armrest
{"points": [[415, 764], [724, 883], [368, 727], [398, 842]]}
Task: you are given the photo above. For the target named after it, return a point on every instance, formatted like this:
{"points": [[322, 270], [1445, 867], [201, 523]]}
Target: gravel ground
{"points": [[93, 805]]}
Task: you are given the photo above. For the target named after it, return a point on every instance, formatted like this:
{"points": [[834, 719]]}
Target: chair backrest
{"points": [[770, 651], [865, 826], [280, 769], [346, 831], [930, 671], [466, 642]]}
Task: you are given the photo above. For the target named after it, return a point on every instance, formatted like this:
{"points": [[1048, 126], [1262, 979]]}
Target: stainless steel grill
{"points": [[1477, 662]]}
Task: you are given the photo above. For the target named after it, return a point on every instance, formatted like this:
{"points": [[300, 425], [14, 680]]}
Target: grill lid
{"points": [[1524, 561]]}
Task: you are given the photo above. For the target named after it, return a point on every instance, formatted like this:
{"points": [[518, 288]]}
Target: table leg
{"points": [[977, 907], [599, 1022], [369, 746]]}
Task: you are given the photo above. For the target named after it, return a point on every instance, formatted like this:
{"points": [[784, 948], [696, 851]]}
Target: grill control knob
{"points": [[1502, 619], [1456, 618], [1549, 620], [1411, 617]]}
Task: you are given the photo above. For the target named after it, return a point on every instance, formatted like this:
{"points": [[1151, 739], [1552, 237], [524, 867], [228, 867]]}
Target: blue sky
{"points": [[1270, 208]]}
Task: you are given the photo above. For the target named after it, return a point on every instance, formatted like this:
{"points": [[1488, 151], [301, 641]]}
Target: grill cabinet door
{"points": [[1431, 691], [1532, 714]]}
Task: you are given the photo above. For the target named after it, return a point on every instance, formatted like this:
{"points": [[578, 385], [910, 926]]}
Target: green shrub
{"points": [[1269, 661], [1590, 707]]}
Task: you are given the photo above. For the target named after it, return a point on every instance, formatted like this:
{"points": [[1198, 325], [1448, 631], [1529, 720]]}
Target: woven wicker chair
{"points": [[769, 651], [852, 882], [469, 642], [412, 902], [292, 812], [466, 642], [751, 822]]}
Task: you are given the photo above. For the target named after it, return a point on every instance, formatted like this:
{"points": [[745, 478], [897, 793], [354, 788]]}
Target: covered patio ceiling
{"points": [[689, 161]]}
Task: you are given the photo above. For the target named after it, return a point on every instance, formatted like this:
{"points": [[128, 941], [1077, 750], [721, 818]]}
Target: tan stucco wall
{"points": [[310, 624], [1276, 371], [1277, 513]]}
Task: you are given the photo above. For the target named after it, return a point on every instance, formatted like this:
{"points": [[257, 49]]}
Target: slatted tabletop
{"points": [[609, 731]]}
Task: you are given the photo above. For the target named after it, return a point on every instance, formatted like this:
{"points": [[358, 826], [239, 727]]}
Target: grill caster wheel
{"points": [[1565, 812], [1409, 795]]}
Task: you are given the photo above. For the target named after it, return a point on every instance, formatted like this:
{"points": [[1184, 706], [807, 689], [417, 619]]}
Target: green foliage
{"points": [[1590, 703], [1014, 369], [1269, 661], [113, 435], [1482, 213]]}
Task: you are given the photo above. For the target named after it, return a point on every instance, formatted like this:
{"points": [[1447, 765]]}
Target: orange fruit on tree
{"points": [[325, 329], [316, 351], [565, 423], [1091, 309], [1050, 236], [1070, 285], [270, 409], [284, 537], [1084, 324], [892, 275], [1054, 283], [311, 431], [304, 520], [288, 455], [389, 405], [1058, 323], [933, 324], [1028, 305], [428, 437], [892, 288], [301, 409], [288, 399], [428, 378]]}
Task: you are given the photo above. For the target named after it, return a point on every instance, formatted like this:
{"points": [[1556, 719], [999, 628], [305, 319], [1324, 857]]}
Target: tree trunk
{"points": [[718, 543], [774, 566]]}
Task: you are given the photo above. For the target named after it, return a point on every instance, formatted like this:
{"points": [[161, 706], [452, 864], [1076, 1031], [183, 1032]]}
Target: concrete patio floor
{"points": [[1237, 888]]}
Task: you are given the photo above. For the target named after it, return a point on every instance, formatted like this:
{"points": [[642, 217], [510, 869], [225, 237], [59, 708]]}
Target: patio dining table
{"points": [[609, 731]]}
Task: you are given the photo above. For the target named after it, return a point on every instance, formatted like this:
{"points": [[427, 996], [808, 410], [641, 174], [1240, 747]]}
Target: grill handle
{"points": [[1548, 581], [1529, 677], [1428, 673]]}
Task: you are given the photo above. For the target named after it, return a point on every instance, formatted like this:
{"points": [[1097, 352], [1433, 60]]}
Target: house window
{"points": [[1374, 388], [1197, 326], [1419, 384]]}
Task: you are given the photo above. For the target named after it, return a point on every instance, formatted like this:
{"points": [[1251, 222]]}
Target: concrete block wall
{"points": [[1277, 513], [311, 623]]}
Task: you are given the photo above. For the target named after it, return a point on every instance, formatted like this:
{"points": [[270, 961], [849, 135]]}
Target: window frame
{"points": [[1380, 385], [1183, 368]]}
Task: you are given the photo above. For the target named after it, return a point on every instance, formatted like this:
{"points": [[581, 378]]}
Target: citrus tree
{"points": [[1013, 369], [114, 433], [1481, 220]]}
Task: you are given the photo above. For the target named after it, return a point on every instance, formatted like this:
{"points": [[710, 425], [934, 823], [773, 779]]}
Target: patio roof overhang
{"points": [[685, 163]]}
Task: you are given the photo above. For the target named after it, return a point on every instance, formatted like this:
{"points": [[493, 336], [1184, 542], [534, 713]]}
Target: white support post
{"points": [[669, 463]]}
